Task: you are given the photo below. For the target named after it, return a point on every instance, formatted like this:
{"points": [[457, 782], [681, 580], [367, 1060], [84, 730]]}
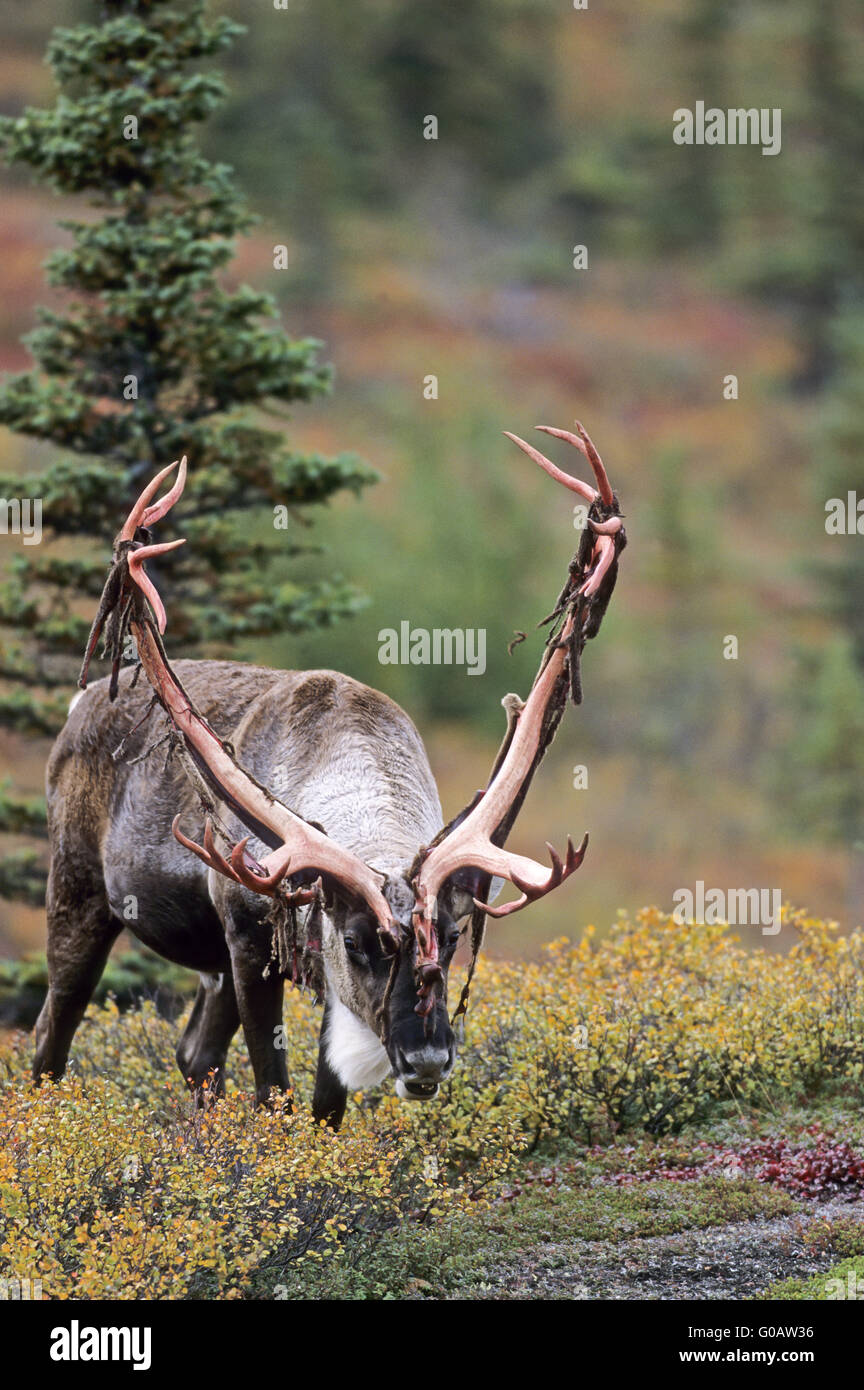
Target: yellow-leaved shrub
{"points": [[112, 1185]]}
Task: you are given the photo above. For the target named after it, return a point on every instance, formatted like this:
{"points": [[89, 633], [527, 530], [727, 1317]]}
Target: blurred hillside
{"points": [[454, 258]]}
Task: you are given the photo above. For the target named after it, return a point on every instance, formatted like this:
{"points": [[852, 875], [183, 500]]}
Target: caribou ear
{"points": [[457, 901], [459, 892]]}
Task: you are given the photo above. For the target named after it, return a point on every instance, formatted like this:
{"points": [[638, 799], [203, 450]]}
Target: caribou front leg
{"points": [[259, 1000], [204, 1046], [81, 932], [331, 1094]]}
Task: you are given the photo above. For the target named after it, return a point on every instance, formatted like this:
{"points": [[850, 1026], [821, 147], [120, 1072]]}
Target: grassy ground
{"points": [[571, 1226]]}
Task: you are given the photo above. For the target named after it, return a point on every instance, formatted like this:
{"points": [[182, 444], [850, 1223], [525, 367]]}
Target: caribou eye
{"points": [[453, 936], [352, 945]]}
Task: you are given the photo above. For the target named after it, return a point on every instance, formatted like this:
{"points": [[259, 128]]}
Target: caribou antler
{"points": [[296, 845], [475, 841]]}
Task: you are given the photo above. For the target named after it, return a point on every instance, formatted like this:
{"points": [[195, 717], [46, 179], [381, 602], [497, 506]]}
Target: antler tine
{"points": [[531, 892], [606, 528], [242, 867], [253, 875], [142, 514], [208, 853], [566, 479], [127, 563], [582, 441], [145, 584], [159, 509], [603, 554]]}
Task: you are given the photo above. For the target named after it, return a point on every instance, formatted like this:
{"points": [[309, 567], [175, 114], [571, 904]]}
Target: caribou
{"points": [[293, 829]]}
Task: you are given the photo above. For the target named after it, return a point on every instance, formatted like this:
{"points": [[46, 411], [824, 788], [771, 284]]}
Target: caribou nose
{"points": [[428, 1063], [422, 1071]]}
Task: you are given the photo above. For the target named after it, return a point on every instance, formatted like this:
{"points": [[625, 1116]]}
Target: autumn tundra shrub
{"points": [[651, 1027], [113, 1185]]}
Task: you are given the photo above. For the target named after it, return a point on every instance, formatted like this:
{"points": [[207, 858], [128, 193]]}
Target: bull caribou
{"points": [[306, 826]]}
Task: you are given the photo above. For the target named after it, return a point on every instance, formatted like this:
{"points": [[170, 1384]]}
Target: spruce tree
{"points": [[150, 357]]}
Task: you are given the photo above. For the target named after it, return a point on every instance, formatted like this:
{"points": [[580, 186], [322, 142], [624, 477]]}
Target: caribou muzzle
{"points": [[420, 1042], [419, 1072]]}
